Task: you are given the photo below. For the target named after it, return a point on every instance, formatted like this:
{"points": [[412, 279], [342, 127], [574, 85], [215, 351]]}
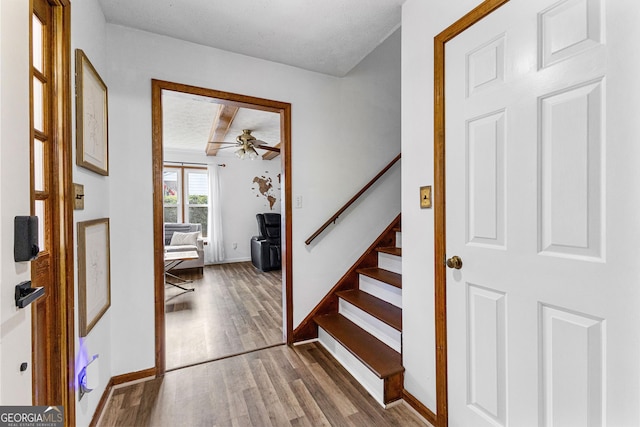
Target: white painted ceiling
{"points": [[187, 121], [327, 36]]}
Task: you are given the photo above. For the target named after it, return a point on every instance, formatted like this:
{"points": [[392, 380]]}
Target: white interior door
{"points": [[543, 324]]}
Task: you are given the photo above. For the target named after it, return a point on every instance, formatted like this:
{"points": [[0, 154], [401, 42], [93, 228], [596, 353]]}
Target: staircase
{"points": [[363, 331]]}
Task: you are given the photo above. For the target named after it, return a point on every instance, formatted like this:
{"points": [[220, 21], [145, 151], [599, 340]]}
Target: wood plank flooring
{"points": [[279, 386], [235, 308]]}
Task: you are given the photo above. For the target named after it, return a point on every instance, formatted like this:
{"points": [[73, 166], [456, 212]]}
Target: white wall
{"points": [[326, 126], [89, 34], [239, 197], [421, 22], [352, 150], [15, 324]]}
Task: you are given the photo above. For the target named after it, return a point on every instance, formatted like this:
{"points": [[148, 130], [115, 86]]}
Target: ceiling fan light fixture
{"points": [[245, 138], [245, 145]]}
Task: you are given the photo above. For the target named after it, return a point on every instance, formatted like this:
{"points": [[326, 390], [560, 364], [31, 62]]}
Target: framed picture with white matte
{"points": [[94, 275], [92, 136]]}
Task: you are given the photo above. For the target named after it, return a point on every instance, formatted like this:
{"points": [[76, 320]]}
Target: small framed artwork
{"points": [[94, 276], [92, 138]]}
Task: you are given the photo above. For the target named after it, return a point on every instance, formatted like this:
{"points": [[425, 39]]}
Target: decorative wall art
{"points": [[92, 139], [94, 277], [265, 187]]}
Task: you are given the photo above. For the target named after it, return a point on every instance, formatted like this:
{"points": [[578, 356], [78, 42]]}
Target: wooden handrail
{"points": [[350, 202]]}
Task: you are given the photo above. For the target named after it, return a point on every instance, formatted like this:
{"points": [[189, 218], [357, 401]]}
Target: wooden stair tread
{"points": [[381, 359], [386, 276], [381, 310], [397, 228], [392, 250]]}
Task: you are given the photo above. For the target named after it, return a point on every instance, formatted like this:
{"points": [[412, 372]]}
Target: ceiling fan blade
{"points": [[268, 148], [223, 142]]}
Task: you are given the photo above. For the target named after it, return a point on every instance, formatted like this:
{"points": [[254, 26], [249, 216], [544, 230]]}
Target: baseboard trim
{"points": [[101, 405], [414, 403], [231, 261], [134, 376], [115, 381], [297, 343]]}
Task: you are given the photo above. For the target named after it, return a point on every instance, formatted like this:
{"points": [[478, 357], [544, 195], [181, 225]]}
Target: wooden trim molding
{"points": [[158, 225], [59, 331], [287, 252], [412, 401], [440, 250], [101, 404], [133, 376], [230, 99], [66, 262], [114, 381]]}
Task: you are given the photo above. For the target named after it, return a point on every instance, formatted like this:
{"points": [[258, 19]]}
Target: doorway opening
{"points": [[182, 174]]}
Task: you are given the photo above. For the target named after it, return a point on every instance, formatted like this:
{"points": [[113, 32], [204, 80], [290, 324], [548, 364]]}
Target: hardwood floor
{"points": [[235, 308], [279, 386]]}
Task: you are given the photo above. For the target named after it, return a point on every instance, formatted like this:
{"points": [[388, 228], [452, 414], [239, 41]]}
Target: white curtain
{"points": [[214, 251]]}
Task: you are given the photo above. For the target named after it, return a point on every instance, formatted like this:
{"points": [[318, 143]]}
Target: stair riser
{"points": [[390, 262], [381, 290], [373, 384], [375, 327], [398, 239]]}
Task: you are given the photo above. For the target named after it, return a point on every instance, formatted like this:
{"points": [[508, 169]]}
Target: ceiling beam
{"points": [[221, 124], [272, 153]]}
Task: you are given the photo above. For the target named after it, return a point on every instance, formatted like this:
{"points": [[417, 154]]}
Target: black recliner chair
{"points": [[265, 248]]}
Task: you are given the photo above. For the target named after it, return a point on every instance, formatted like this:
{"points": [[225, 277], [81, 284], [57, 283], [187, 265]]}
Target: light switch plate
{"points": [[78, 196], [425, 197]]}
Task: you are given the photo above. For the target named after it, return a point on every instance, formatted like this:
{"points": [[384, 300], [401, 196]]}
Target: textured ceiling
{"points": [[187, 121], [328, 36]]}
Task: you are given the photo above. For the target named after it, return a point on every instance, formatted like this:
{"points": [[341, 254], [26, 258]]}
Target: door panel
{"points": [[538, 312], [571, 163], [486, 352], [568, 28], [486, 180], [571, 367]]}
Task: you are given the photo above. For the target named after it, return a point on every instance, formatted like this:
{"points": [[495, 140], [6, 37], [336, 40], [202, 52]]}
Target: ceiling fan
{"points": [[246, 145]]}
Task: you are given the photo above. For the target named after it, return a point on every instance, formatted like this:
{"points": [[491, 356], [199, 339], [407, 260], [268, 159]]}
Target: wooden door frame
{"points": [[440, 250], [227, 98], [64, 166], [61, 331]]}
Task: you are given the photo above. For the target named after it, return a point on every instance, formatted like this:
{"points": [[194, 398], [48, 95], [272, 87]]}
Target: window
{"points": [[186, 196], [171, 184], [197, 201], [41, 122]]}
